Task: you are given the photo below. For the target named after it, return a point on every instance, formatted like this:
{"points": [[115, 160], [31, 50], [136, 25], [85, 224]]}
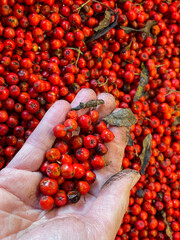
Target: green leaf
{"points": [[122, 118], [146, 152], [144, 79]]}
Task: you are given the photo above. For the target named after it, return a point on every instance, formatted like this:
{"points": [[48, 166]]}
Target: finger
{"points": [[32, 153], [22, 184], [108, 106], [84, 95], [113, 157], [110, 206]]}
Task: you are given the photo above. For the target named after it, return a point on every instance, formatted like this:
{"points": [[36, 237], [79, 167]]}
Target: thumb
{"points": [[111, 204]]}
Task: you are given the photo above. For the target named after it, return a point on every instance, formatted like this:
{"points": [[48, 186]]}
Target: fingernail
{"points": [[135, 179]]}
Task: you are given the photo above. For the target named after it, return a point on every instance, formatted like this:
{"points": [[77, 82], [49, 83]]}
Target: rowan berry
{"points": [[84, 121], [66, 158], [70, 125], [97, 162], [90, 141], [107, 135], [67, 170], [82, 154], [83, 187], [79, 170], [73, 196], [48, 186], [59, 131], [53, 170], [46, 202], [60, 198]]}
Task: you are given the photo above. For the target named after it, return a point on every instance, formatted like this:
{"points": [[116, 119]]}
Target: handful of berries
{"points": [[69, 165]]}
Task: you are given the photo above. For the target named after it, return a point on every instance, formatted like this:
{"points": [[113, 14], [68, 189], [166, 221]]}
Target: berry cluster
{"points": [[70, 163]]}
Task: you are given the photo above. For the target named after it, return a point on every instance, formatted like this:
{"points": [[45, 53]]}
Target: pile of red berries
{"points": [[45, 55], [70, 163]]}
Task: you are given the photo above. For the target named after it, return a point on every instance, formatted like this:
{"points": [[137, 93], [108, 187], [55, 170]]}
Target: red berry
{"points": [[90, 141], [46, 202], [67, 170], [83, 187], [107, 135], [48, 186], [53, 154], [84, 121], [59, 131], [60, 198], [97, 162], [53, 170]]}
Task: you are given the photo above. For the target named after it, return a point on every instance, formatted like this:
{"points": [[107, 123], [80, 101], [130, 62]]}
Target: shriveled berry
{"points": [[73, 196]]}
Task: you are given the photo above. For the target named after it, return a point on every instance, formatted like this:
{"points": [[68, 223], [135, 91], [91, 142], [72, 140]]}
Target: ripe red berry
{"points": [[79, 170], [90, 141], [83, 187], [67, 170], [53, 170], [84, 121], [70, 124], [82, 154], [48, 186], [97, 162], [59, 131], [46, 202], [53, 154], [107, 135], [60, 198]]}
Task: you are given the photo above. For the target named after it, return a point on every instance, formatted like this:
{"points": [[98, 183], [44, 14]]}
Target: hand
{"points": [[96, 216]]}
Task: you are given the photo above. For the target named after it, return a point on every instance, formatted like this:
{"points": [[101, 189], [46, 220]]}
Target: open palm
{"points": [[96, 216]]}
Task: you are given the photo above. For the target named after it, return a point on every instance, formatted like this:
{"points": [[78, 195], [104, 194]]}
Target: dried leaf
{"points": [[127, 47], [122, 118], [105, 30], [129, 29], [105, 22], [168, 228], [130, 141], [144, 79], [146, 152], [177, 121], [146, 29], [92, 103]]}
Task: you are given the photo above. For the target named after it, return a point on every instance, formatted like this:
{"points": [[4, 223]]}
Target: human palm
{"points": [[97, 215]]}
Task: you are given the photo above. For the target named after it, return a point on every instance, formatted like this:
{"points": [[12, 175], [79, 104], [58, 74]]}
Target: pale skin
{"points": [[98, 215]]}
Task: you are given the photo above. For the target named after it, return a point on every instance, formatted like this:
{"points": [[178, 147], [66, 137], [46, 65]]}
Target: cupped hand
{"points": [[97, 215]]}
